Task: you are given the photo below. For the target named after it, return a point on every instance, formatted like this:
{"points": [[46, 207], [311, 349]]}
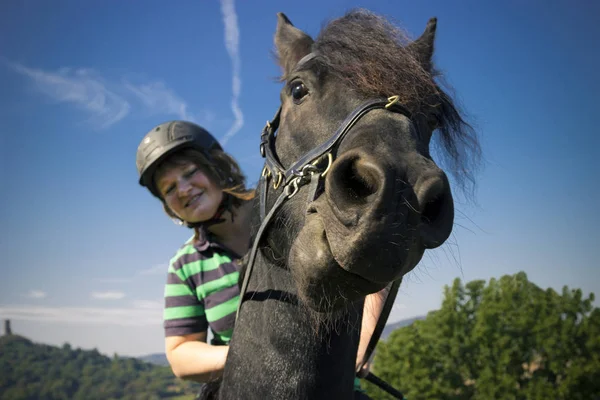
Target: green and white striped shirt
{"points": [[202, 290]]}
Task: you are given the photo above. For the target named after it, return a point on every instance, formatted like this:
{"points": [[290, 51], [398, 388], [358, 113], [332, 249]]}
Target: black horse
{"points": [[352, 196]]}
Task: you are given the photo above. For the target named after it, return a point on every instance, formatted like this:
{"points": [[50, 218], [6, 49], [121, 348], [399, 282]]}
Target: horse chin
{"points": [[323, 285]]}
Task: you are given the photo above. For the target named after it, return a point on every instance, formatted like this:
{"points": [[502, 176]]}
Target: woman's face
{"points": [[188, 192]]}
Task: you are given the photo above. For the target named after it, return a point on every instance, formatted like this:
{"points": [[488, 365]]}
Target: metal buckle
{"points": [[266, 172], [309, 169], [279, 179], [329, 162], [294, 185], [392, 100]]}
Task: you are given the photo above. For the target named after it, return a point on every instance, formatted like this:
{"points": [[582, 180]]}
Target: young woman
{"points": [[202, 187]]}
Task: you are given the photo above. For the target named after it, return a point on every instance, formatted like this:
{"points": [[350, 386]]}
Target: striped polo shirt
{"points": [[202, 290]]}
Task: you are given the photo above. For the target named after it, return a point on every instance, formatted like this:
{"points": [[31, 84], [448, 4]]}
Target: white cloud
{"points": [[113, 280], [36, 294], [160, 269], [107, 295], [81, 87], [140, 313], [108, 102], [232, 40], [157, 97], [148, 304]]}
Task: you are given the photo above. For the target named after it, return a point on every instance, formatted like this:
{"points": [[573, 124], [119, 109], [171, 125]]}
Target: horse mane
{"points": [[373, 57]]}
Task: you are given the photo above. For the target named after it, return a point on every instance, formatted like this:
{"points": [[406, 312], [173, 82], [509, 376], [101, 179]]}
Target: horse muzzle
{"points": [[376, 222]]}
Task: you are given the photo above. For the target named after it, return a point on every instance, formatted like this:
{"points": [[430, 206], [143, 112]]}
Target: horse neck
{"points": [[277, 349]]}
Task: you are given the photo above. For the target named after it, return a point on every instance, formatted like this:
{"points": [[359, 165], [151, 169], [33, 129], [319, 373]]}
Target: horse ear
{"points": [[292, 44], [422, 48]]}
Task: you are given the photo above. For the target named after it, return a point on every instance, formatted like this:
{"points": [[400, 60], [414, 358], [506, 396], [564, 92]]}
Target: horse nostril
{"points": [[437, 211], [432, 209], [355, 179]]}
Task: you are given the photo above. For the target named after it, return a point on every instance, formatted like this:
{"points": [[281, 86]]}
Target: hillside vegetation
{"points": [[35, 371]]}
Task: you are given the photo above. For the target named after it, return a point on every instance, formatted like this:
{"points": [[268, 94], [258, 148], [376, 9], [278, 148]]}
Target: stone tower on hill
{"points": [[7, 330]]}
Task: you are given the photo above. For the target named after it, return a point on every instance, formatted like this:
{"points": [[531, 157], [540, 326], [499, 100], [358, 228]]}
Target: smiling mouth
{"points": [[193, 199]]}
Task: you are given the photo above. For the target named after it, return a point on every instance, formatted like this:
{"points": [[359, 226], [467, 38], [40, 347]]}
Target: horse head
{"points": [[360, 101]]}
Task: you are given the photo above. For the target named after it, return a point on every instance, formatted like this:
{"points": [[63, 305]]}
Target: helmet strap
{"points": [[226, 204]]}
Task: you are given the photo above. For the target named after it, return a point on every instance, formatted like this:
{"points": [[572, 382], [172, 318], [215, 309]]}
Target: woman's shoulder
{"points": [[194, 258], [186, 253]]}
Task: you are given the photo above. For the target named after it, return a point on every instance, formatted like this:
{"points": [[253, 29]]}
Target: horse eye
{"points": [[299, 90]]}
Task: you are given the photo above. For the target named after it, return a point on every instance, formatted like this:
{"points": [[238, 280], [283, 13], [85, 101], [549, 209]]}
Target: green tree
{"points": [[507, 339]]}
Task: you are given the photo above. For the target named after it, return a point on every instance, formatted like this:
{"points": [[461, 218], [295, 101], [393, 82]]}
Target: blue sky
{"points": [[84, 248]]}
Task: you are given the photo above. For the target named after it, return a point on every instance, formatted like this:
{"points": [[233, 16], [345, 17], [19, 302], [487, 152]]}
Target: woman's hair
{"points": [[221, 169]]}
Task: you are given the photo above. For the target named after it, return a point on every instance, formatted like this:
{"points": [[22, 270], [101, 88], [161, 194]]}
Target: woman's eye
{"points": [[299, 90], [190, 172]]}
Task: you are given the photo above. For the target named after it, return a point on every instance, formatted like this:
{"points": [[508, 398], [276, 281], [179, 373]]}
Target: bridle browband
{"points": [[308, 170]]}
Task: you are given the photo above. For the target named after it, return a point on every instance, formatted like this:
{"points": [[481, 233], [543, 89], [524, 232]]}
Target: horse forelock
{"points": [[371, 55]]}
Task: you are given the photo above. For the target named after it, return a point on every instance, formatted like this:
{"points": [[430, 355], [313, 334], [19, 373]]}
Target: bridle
{"points": [[308, 171]]}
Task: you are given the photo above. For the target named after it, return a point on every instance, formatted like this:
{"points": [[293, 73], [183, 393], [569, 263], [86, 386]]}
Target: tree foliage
{"points": [[35, 371], [508, 339]]}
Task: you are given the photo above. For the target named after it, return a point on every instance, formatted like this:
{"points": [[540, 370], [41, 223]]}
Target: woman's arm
{"points": [[191, 358], [371, 311]]}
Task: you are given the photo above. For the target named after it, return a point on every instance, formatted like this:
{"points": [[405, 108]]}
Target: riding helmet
{"points": [[164, 140]]}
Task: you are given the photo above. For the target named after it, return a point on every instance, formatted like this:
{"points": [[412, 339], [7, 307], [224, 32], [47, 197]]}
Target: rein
{"points": [[308, 171]]}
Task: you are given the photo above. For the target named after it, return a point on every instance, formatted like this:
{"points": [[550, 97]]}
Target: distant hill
{"points": [[156, 359], [389, 328], [30, 370]]}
